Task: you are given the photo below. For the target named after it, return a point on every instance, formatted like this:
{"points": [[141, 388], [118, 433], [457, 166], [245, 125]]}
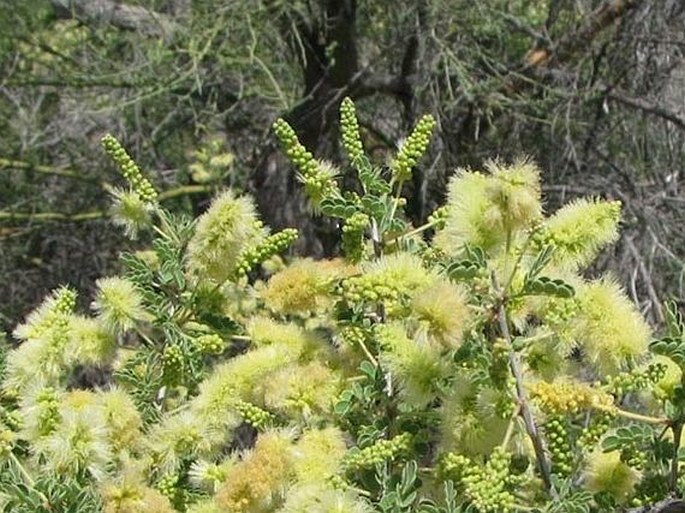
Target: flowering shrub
{"points": [[476, 372]]}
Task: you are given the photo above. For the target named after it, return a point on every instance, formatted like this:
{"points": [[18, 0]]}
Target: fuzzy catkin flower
{"points": [[579, 230], [605, 472], [323, 498], [444, 312], [258, 482], [180, 437], [90, 342], [78, 444], [122, 420], [514, 193], [238, 380], [54, 311], [118, 304], [390, 279], [131, 212], [471, 426], [210, 476], [40, 410], [483, 209], [304, 287], [134, 498], [302, 390], [129, 169], [318, 455], [412, 149], [465, 220], [609, 327], [265, 331], [221, 235], [415, 363]]}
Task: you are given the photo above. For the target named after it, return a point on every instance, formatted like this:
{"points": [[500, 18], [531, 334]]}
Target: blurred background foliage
{"points": [[593, 90]]}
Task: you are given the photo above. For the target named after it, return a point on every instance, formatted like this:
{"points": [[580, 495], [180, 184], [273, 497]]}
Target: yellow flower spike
{"points": [[444, 310], [318, 455], [257, 483], [605, 472], [579, 230], [304, 286], [323, 498], [222, 234], [608, 326], [118, 304]]}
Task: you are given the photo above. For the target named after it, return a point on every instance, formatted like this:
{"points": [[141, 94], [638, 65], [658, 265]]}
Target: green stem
{"points": [[510, 427], [634, 416], [28, 479], [677, 436], [415, 231]]}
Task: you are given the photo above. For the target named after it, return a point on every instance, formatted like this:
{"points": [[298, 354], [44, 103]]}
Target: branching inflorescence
{"points": [[477, 371]]}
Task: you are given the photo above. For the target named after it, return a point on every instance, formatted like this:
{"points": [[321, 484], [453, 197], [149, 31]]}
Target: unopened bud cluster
{"points": [[636, 379], [383, 450], [273, 245], [6, 442], [413, 148], [129, 169], [559, 445], [209, 344], [49, 407], [372, 289], [353, 236], [596, 428], [487, 487], [317, 177], [349, 128], [173, 363], [65, 300], [439, 217], [253, 415]]}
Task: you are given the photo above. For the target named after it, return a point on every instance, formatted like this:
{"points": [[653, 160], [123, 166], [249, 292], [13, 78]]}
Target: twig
{"points": [[677, 435], [646, 278], [524, 406]]}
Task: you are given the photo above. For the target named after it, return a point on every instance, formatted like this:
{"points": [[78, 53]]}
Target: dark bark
{"points": [[329, 66]]}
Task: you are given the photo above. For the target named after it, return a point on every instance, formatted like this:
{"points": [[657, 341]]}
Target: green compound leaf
{"points": [[628, 436], [544, 286], [371, 179], [462, 270], [540, 262], [468, 267], [673, 348], [336, 206], [674, 320]]}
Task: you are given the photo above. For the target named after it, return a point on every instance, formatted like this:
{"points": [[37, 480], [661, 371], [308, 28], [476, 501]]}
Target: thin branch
{"points": [[127, 17], [577, 40], [96, 214], [523, 403], [9, 164], [656, 304], [51, 216], [677, 118]]}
